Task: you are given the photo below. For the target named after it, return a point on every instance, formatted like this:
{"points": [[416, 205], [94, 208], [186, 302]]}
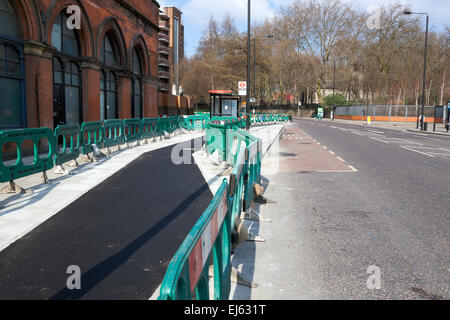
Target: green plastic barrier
{"points": [[132, 130], [163, 125], [91, 133], [194, 123], [188, 273], [149, 128], [39, 164], [113, 133], [71, 131], [172, 124]]}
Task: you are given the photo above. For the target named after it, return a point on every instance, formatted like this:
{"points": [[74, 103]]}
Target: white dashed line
{"points": [[427, 154]]}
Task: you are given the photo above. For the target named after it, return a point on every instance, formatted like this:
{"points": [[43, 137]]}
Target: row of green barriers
{"points": [[263, 118], [66, 143], [187, 276]]}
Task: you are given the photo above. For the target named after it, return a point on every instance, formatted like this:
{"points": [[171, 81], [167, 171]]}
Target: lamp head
{"points": [[407, 11]]}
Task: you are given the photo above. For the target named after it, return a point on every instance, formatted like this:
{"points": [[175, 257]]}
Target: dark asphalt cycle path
{"points": [[121, 234]]}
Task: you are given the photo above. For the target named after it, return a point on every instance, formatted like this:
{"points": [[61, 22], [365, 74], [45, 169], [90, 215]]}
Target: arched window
{"points": [[108, 95], [64, 39], [108, 79], [12, 86], [136, 101], [8, 20], [66, 73]]}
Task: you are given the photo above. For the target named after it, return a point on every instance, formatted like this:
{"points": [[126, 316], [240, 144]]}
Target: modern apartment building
{"points": [[171, 50], [164, 53]]}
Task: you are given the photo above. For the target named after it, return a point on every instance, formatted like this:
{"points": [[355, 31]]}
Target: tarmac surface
{"points": [[121, 234], [330, 229]]}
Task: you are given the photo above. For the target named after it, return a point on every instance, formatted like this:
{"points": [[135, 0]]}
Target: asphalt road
{"points": [[330, 227], [122, 235]]}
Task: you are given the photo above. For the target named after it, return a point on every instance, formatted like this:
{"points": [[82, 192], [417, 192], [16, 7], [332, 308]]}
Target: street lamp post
{"points": [[409, 12], [247, 120]]}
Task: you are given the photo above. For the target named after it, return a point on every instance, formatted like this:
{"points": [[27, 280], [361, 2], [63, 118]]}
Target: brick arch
{"points": [[85, 34], [30, 24], [138, 43], [111, 27]]}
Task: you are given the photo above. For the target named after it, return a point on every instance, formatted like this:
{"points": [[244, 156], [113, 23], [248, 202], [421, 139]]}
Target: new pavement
{"points": [[122, 235]]}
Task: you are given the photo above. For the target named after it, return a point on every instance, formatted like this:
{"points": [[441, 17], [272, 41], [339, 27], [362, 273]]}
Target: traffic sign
{"points": [[252, 100], [242, 88]]}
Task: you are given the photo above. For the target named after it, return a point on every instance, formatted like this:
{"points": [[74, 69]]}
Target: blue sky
{"points": [[196, 13]]}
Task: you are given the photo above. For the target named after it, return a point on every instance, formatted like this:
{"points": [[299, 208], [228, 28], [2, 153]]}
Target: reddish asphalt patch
{"points": [[300, 153]]}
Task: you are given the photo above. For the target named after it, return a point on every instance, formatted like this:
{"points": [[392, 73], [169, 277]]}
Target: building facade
{"points": [[164, 53], [171, 50], [72, 61]]}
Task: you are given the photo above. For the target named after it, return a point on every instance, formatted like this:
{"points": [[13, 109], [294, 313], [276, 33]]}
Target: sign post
{"points": [[242, 88]]}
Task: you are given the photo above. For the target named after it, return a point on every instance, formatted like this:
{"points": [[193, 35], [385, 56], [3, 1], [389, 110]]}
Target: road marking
{"points": [[341, 159], [373, 138], [405, 141], [325, 147], [331, 152], [440, 154], [376, 131], [417, 151], [353, 168]]}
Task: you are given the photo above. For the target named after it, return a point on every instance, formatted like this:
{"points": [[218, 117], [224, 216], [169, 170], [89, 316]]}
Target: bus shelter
{"points": [[224, 103]]}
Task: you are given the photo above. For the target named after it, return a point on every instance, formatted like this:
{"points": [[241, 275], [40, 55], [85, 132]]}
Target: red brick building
{"points": [[50, 74]]}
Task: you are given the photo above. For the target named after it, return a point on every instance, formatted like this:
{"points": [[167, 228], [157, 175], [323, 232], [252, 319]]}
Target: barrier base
{"points": [[254, 216], [262, 200], [227, 172], [97, 152], [73, 164], [12, 187], [61, 170], [89, 158], [253, 238], [236, 277]]}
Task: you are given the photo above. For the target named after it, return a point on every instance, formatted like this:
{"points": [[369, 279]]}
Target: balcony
{"points": [[164, 87], [164, 38], [164, 75], [163, 15], [164, 50], [163, 26], [163, 62]]}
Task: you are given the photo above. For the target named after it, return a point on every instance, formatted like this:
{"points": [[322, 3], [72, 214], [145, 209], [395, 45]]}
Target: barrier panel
{"points": [[193, 123], [67, 153], [113, 133], [252, 170], [40, 163], [187, 276], [131, 130], [163, 125], [172, 124], [149, 128], [91, 133]]}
